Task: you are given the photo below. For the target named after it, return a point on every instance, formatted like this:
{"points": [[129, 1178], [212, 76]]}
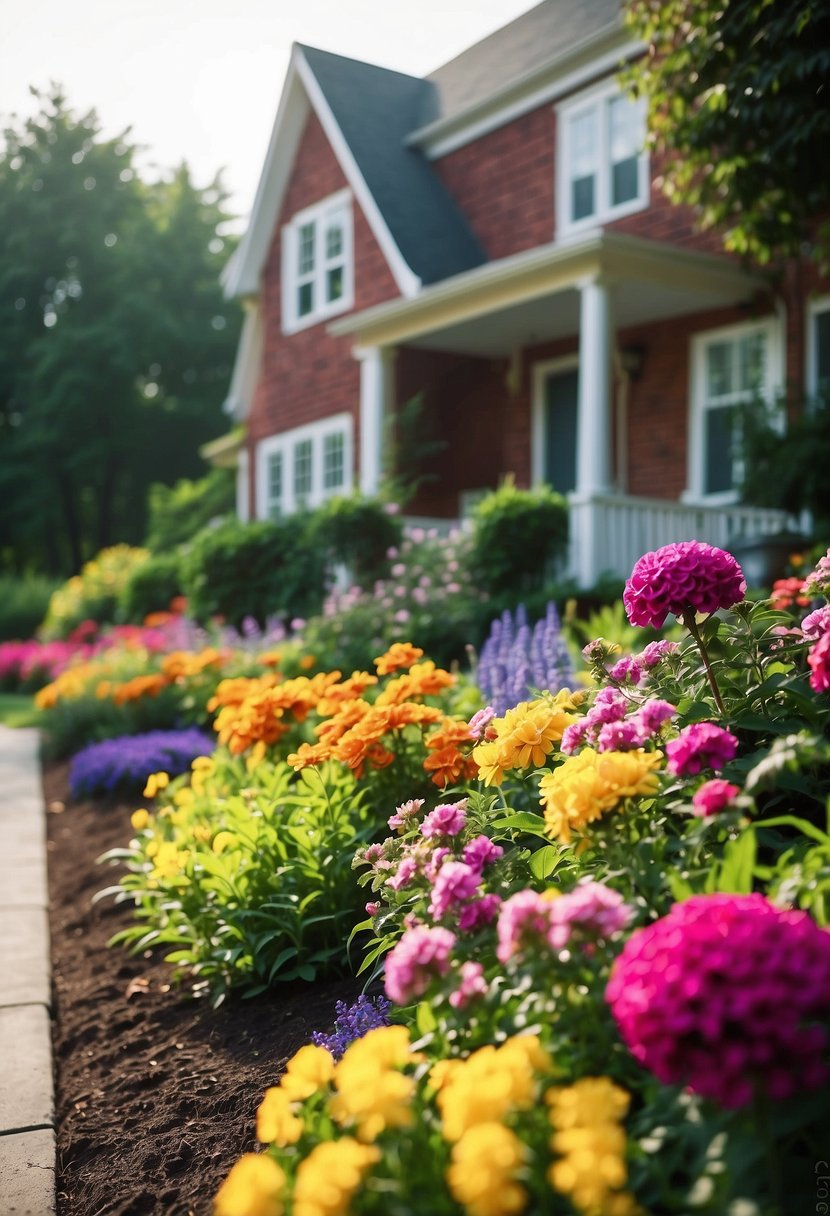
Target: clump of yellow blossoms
{"points": [[589, 1142], [587, 785], [525, 736], [372, 1093], [329, 1176], [482, 1171], [253, 1188]]}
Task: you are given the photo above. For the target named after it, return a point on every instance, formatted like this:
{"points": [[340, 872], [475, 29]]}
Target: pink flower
{"points": [[816, 623], [591, 910], [618, 736], [480, 852], [404, 814], [372, 908], [480, 721], [420, 955], [478, 912], [652, 715], [818, 581], [524, 921], [445, 820], [712, 797], [655, 652], [724, 994], [626, 669], [819, 661], [456, 882], [687, 575], [472, 984], [405, 873], [701, 745]]}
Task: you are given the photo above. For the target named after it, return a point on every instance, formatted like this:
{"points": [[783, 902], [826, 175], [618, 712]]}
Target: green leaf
{"points": [[544, 861]]}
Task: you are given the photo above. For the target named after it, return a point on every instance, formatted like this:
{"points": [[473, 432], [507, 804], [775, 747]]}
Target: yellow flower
{"points": [[329, 1176], [371, 1093], [184, 797], [307, 1071], [483, 1168], [155, 783], [490, 1083], [222, 840], [170, 860], [591, 783], [525, 736], [252, 1188], [139, 819], [276, 1122], [590, 1145]]}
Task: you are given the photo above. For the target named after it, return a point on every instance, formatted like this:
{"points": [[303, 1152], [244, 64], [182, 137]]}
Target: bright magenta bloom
{"points": [[688, 574], [713, 796], [819, 661], [727, 994], [699, 746]]}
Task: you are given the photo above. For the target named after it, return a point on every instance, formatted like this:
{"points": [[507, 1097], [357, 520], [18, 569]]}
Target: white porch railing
{"points": [[609, 532]]}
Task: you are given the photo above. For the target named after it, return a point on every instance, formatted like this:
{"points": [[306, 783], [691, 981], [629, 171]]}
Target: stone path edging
{"points": [[27, 1106]]}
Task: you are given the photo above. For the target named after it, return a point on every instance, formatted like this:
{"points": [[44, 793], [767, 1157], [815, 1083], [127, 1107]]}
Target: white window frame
{"points": [[770, 390], [596, 98], [285, 446], [815, 308], [292, 322]]}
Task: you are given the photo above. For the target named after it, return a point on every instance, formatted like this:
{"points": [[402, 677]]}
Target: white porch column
{"points": [[376, 365], [593, 435]]}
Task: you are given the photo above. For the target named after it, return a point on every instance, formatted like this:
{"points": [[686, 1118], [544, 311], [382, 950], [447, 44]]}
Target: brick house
{"points": [[489, 241]]}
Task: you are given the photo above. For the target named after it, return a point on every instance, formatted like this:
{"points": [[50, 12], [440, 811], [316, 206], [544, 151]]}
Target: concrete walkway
{"points": [[27, 1111]]}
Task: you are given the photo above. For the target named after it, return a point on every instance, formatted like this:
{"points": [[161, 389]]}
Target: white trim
{"points": [[316, 214], [538, 88], [595, 99], [815, 306], [246, 364], [407, 281], [285, 445], [242, 490], [699, 343], [539, 376]]}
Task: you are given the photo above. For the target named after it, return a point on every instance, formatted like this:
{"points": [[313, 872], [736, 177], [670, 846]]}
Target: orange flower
{"points": [[234, 691], [412, 714], [399, 654], [308, 754], [138, 687], [270, 658], [329, 732], [424, 680], [346, 690], [448, 766], [453, 731], [180, 664]]}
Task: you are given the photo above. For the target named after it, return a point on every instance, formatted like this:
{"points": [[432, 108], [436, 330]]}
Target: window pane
{"points": [[334, 238], [275, 483], [334, 283], [719, 440], [718, 369], [626, 128], [624, 181], [333, 461], [305, 299], [302, 469], [305, 259], [751, 363], [582, 198], [584, 137], [822, 339]]}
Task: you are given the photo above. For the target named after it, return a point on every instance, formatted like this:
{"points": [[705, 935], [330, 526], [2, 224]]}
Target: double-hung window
{"points": [[317, 272], [304, 467], [602, 169], [818, 348], [731, 369]]}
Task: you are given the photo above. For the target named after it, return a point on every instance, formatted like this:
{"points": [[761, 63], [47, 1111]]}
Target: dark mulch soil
{"points": [[156, 1094]]}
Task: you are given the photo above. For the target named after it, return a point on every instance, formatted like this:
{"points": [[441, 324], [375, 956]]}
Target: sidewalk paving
{"points": [[27, 1114]]}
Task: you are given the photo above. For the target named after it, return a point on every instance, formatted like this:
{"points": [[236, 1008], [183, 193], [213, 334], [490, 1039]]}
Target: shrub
{"points": [[177, 513], [257, 570], [125, 763], [93, 594], [358, 533], [24, 600], [151, 587], [519, 537]]}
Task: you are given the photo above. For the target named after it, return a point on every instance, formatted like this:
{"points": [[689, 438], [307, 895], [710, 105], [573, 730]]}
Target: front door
{"points": [[560, 399]]}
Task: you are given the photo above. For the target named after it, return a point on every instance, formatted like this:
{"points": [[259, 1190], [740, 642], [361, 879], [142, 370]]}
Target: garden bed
{"points": [[155, 1093]]}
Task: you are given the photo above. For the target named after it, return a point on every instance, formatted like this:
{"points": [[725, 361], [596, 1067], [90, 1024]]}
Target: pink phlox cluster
{"points": [[524, 920], [712, 797], [816, 623], [699, 746], [618, 736], [472, 984], [480, 721], [607, 728], [405, 814], [634, 668], [818, 659], [590, 912], [455, 883], [478, 912], [404, 874], [724, 994], [420, 955], [817, 581], [679, 577], [481, 852], [447, 820]]}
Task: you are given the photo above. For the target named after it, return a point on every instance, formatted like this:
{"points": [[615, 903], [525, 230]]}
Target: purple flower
{"points": [[688, 575], [126, 762], [726, 994], [516, 659], [699, 746], [352, 1022]]}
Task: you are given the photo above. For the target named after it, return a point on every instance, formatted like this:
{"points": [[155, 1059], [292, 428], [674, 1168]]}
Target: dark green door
{"points": [[560, 410]]}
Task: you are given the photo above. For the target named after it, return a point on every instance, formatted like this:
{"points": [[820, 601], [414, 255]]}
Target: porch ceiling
{"points": [[534, 297]]}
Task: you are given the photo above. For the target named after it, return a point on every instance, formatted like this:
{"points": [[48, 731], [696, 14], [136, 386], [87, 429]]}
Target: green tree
{"points": [[739, 107], [115, 342]]}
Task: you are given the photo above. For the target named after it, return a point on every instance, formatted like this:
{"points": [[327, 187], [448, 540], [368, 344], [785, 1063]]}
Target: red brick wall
{"points": [[310, 375]]}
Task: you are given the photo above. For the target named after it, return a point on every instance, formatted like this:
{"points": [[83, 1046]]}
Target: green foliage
{"points": [[738, 114], [357, 533], [17, 709], [115, 341], [150, 587], [249, 881], [519, 536], [93, 594], [783, 468], [176, 513], [258, 570], [24, 600]]}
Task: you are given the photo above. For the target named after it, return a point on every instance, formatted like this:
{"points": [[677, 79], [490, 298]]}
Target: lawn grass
{"points": [[17, 709]]}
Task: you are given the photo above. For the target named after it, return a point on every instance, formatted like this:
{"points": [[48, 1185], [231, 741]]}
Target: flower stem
{"points": [[691, 624]]}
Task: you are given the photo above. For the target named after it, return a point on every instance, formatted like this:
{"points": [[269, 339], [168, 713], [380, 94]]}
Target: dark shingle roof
{"points": [[376, 109], [549, 30]]}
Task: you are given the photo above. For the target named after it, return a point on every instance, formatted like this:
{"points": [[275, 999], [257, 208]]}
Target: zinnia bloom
{"points": [[687, 575], [591, 783]]}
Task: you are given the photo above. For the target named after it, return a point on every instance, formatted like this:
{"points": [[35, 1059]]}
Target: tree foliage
{"points": [[739, 107], [115, 342]]}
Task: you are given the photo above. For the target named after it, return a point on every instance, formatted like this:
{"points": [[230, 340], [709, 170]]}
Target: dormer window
{"points": [[317, 275], [602, 166]]}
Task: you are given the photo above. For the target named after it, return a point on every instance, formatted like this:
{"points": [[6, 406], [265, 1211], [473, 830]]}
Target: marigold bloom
{"points": [[399, 654], [591, 1146], [138, 687], [276, 1122], [688, 575], [483, 1168], [371, 1091], [252, 1188], [489, 1084], [424, 680], [309, 754], [591, 783]]}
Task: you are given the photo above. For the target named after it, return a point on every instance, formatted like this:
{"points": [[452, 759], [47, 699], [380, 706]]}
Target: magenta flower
{"points": [[590, 911], [819, 660], [815, 623], [404, 814], [712, 797], [699, 746], [524, 921], [445, 820], [688, 575], [478, 912], [725, 994], [472, 984], [480, 852], [455, 883], [420, 955]]}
